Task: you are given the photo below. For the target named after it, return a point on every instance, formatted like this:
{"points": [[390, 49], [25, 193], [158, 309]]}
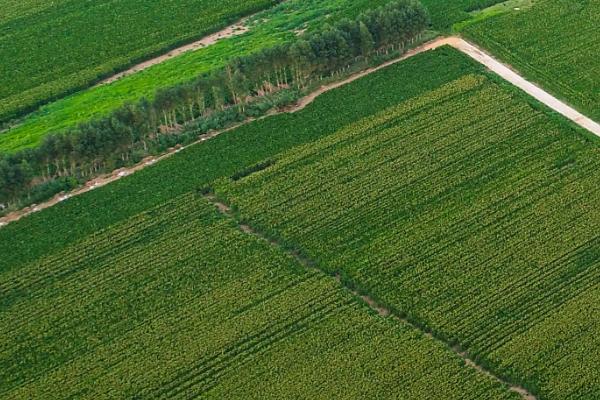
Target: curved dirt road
{"points": [[458, 43]]}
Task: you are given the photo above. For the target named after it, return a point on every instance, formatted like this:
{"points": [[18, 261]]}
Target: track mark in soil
{"points": [[381, 310]]}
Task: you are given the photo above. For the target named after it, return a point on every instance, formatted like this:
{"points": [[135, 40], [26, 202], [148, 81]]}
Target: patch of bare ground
{"points": [[300, 32], [222, 207], [381, 310]]}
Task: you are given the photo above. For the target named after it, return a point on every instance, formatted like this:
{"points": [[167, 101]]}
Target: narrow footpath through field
{"points": [[225, 210], [233, 30], [458, 43]]}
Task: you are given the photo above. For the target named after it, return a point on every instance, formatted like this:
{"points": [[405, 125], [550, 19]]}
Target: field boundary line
{"points": [[381, 310], [510, 75], [456, 42], [150, 160], [236, 29]]}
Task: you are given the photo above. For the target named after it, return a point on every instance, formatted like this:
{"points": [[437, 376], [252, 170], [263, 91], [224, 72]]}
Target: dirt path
{"points": [[90, 185], [508, 74], [460, 44], [233, 30], [431, 45], [382, 311], [488, 61]]}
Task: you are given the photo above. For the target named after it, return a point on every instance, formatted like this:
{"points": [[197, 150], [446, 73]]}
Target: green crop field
{"points": [[181, 288], [434, 187], [48, 49], [554, 43], [445, 13], [466, 209], [44, 233], [268, 28]]}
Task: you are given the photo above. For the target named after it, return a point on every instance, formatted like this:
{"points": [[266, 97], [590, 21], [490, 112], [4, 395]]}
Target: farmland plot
{"points": [[49, 231], [465, 209], [267, 29], [555, 42], [178, 302], [48, 49], [445, 13]]}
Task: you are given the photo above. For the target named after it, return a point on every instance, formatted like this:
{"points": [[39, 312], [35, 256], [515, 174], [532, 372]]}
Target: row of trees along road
{"points": [[240, 89]]}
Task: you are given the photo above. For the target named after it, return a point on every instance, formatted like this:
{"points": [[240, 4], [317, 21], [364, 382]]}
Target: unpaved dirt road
{"points": [[234, 30], [458, 43], [533, 90], [488, 61], [432, 45]]}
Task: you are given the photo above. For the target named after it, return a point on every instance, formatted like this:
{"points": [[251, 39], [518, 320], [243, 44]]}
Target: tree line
{"points": [[247, 86]]}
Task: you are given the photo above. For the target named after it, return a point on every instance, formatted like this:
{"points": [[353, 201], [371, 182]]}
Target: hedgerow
{"points": [[197, 166], [268, 28]]}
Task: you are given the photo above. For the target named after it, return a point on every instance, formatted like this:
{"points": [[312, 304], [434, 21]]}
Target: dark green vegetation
{"points": [[52, 48], [274, 26], [429, 185], [246, 87], [445, 13], [465, 209], [197, 166], [555, 43], [178, 302]]}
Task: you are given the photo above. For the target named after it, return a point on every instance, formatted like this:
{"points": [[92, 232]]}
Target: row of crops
{"points": [[178, 302], [268, 28], [555, 43], [479, 233], [445, 13], [64, 46], [465, 209], [46, 232]]}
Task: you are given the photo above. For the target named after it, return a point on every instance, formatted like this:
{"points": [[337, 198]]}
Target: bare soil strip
{"points": [[458, 43], [123, 172], [508, 74], [233, 30], [370, 302]]}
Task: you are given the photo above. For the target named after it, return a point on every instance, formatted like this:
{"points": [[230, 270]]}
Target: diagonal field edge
{"points": [[476, 53], [506, 73], [226, 211]]}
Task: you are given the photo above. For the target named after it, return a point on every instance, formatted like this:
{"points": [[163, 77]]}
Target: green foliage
{"points": [[553, 42], [445, 13], [179, 302], [269, 28], [559, 346], [66, 45], [216, 100], [458, 209], [46, 232]]}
